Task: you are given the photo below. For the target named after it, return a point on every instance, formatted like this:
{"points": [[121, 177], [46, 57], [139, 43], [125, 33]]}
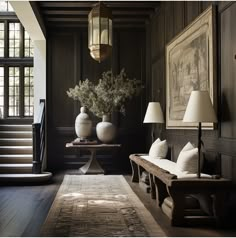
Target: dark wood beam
{"points": [[54, 25], [85, 19], [130, 4], [86, 12]]}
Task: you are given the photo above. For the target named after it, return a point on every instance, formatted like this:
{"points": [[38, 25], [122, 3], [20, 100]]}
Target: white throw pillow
{"points": [[188, 159], [158, 149]]}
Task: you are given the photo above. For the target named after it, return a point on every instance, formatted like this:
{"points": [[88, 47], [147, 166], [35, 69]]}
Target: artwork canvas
{"points": [[189, 66]]}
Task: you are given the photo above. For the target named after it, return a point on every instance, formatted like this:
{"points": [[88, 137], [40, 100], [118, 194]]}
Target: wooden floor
{"points": [[23, 210]]}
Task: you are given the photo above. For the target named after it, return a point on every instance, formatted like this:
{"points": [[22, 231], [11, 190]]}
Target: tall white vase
{"points": [[106, 131], [83, 124]]}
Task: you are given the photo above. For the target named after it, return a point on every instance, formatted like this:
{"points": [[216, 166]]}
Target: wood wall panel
{"points": [[192, 10], [205, 5], [226, 166], [169, 21], [158, 34], [132, 59], [178, 14], [183, 14], [155, 38], [63, 72], [228, 72]]}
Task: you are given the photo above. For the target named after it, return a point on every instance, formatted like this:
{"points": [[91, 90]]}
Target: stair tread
{"points": [[15, 165], [16, 132], [16, 155], [25, 175], [19, 125], [19, 139], [16, 146]]}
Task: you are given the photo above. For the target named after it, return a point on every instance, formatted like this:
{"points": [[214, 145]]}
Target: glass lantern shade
{"points": [[100, 32]]}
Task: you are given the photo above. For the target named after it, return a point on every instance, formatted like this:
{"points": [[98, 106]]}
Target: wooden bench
{"points": [[174, 194]]}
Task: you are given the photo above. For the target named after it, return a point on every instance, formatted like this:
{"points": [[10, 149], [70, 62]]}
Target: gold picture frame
{"points": [[190, 61]]}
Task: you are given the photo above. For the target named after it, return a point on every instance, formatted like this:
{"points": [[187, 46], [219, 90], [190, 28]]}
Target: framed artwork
{"points": [[190, 60]]}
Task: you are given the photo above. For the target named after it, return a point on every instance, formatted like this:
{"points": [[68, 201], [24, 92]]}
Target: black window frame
{"points": [[6, 62]]}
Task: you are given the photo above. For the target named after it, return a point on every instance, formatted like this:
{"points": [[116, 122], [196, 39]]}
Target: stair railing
{"points": [[39, 139]]}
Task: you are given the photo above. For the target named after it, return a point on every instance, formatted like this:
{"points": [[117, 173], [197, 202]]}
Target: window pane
{"points": [[5, 6], [1, 71], [1, 81], [14, 92], [1, 43], [28, 44], [1, 39], [28, 91], [14, 39]]}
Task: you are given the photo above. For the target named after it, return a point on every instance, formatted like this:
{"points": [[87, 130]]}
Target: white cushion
{"points": [[170, 166], [159, 149], [165, 164], [187, 147], [188, 159], [152, 148]]}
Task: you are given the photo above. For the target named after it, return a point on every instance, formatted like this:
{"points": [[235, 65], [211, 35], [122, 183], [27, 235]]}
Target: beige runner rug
{"points": [[98, 205]]}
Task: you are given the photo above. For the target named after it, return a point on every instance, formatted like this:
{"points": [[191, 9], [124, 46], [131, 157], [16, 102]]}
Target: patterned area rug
{"points": [[98, 205]]}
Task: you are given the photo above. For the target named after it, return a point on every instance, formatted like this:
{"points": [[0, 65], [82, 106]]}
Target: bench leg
{"points": [[219, 198], [161, 191], [135, 175], [178, 207], [152, 184]]}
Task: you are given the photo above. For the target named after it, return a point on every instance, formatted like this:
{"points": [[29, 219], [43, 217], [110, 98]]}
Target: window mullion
{"points": [[6, 91], [21, 91], [6, 37], [21, 41]]}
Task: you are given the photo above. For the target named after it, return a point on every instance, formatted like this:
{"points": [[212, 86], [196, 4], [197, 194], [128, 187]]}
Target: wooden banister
{"points": [[39, 139]]}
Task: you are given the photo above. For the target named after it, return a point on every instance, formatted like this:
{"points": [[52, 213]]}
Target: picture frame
{"points": [[190, 65]]}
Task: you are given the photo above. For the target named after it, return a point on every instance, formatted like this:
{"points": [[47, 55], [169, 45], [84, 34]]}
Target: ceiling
{"points": [[75, 13]]}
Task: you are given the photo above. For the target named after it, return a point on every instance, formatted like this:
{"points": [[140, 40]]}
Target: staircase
{"points": [[16, 154]]}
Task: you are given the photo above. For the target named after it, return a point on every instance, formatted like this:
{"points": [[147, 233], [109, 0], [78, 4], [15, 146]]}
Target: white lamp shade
{"points": [[154, 113], [199, 108]]}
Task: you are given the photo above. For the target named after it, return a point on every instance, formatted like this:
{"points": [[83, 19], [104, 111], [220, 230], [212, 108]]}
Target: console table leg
{"points": [[92, 166]]}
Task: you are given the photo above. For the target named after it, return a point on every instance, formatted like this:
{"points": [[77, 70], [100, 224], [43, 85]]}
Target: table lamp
{"points": [[199, 109], [153, 115]]}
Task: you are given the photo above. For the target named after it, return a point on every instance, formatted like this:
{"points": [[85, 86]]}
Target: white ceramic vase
{"points": [[83, 124], [105, 130]]}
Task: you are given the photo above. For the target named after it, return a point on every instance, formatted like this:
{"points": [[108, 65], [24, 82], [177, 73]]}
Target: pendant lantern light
{"points": [[100, 32]]}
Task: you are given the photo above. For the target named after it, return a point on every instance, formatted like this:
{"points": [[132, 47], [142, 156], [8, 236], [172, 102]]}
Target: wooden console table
{"points": [[92, 166]]}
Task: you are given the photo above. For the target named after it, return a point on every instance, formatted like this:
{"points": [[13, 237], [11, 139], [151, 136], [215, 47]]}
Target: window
{"points": [[16, 67]]}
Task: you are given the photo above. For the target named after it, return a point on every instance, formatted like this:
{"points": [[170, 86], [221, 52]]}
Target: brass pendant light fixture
{"points": [[100, 32]]}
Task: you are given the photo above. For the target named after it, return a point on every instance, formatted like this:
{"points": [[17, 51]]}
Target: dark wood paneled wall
{"points": [[68, 62], [170, 19]]}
